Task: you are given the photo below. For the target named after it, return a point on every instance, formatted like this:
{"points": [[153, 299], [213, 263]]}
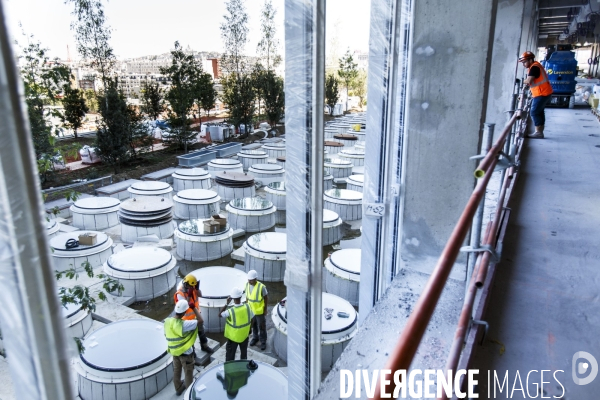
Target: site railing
{"points": [[411, 336], [88, 187]]}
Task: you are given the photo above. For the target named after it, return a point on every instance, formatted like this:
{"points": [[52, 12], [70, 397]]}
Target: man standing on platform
{"points": [[181, 336], [237, 325], [257, 297], [541, 90], [189, 290]]}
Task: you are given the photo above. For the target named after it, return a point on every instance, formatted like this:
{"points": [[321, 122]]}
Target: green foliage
{"points": [[269, 44], [274, 98], [72, 195], [259, 82], [358, 87], [75, 108], [206, 93], [239, 95], [140, 138], [91, 101], [43, 81], [348, 70], [185, 74], [92, 35], [110, 285], [113, 136], [234, 33], [152, 100], [79, 344], [332, 93]]}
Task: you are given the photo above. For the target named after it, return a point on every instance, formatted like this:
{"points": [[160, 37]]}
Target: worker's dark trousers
{"points": [[183, 362], [259, 329], [202, 334], [538, 104], [231, 348]]}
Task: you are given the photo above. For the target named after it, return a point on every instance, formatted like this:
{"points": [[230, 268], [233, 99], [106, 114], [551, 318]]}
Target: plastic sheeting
{"points": [[29, 324], [304, 99], [387, 81]]}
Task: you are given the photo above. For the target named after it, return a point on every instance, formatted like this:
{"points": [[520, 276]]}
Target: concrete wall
{"points": [[505, 54], [449, 73]]}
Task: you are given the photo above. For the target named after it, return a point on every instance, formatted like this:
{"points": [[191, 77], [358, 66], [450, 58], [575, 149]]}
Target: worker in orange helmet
{"points": [[189, 290], [541, 91]]}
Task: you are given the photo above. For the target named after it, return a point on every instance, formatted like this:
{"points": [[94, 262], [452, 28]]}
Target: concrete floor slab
{"points": [[545, 303]]}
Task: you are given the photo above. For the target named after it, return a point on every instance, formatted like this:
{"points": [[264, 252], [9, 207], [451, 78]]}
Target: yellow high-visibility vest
{"points": [[178, 342], [255, 298], [237, 327]]}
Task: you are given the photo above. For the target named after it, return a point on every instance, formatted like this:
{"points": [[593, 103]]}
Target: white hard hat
{"points": [[252, 274], [236, 293], [181, 306]]}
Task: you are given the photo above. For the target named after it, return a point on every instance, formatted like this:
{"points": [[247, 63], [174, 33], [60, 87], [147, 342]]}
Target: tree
{"points": [[113, 136], [90, 100], [206, 93], [75, 108], [140, 138], [347, 72], [259, 76], [92, 36], [332, 93], [239, 96], [234, 32], [43, 81], [274, 98], [268, 45], [359, 87], [152, 100], [185, 74]]}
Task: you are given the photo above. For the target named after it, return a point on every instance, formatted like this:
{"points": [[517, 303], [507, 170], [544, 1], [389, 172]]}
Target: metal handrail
{"points": [[411, 336]]}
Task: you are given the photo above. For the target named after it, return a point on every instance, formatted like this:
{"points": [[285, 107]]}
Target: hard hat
{"points": [[181, 306], [252, 274], [190, 280], [526, 55], [236, 293]]}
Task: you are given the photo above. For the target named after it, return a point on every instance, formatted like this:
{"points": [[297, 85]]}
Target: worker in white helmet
{"points": [[237, 328], [257, 298], [181, 335]]}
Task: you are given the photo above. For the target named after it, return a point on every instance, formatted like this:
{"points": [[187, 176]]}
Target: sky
{"points": [[148, 27]]}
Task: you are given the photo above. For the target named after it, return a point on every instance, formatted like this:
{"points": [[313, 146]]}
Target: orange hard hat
{"points": [[526, 55]]}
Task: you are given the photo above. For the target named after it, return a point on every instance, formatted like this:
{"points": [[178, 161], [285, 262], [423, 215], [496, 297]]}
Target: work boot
{"points": [[253, 342], [204, 347], [263, 346], [538, 134], [181, 389]]}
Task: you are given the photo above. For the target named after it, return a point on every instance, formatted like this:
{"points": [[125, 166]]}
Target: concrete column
{"points": [[505, 55], [529, 24], [447, 100]]}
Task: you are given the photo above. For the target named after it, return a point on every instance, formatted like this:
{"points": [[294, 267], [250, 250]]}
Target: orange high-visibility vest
{"points": [[189, 314], [541, 85]]}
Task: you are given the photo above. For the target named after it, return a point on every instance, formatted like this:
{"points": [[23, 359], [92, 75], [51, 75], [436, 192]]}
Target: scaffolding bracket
{"points": [[486, 327], [506, 163], [495, 255]]}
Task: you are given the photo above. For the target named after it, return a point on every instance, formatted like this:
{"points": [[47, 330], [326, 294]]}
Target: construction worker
{"points": [[189, 290], [256, 296], [237, 325], [541, 90], [181, 335]]}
